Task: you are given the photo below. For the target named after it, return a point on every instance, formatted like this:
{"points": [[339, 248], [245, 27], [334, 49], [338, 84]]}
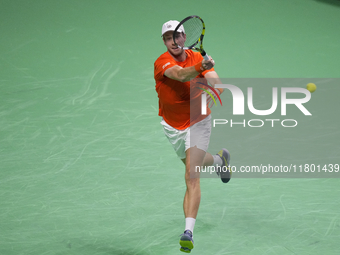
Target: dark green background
{"points": [[84, 165]]}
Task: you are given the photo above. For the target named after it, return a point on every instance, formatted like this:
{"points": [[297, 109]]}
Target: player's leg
{"points": [[196, 145], [194, 157], [178, 140], [208, 160], [221, 160], [213, 160], [192, 198]]}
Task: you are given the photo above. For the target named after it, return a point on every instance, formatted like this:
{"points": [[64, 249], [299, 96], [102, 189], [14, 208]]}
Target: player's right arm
{"points": [[181, 74]]}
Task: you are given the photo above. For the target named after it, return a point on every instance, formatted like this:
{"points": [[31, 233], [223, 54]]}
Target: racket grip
{"points": [[204, 55]]}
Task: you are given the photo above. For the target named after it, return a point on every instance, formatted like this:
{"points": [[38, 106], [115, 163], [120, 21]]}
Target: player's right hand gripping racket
{"points": [[194, 30]]}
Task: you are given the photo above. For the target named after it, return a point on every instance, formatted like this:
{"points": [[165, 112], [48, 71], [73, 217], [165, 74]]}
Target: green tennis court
{"points": [[85, 167]]}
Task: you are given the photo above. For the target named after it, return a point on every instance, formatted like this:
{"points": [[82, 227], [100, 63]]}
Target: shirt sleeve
{"points": [[161, 65]]}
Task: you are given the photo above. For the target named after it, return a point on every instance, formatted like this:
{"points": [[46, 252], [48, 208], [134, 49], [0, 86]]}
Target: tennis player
{"points": [[172, 72]]}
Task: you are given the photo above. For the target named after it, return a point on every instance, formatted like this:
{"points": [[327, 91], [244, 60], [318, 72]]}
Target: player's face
{"points": [[171, 46]]}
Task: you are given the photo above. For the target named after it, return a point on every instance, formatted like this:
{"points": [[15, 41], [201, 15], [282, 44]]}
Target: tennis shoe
{"points": [[186, 241], [224, 172]]}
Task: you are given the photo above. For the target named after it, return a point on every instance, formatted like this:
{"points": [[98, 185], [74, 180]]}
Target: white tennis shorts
{"points": [[196, 135]]}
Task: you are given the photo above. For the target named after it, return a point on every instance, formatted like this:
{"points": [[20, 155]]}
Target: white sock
{"points": [[217, 160], [190, 224]]}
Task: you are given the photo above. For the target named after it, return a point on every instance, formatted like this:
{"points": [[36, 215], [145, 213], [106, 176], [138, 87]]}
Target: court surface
{"points": [[84, 165]]}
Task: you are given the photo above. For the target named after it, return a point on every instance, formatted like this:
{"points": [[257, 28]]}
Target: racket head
{"points": [[193, 28]]}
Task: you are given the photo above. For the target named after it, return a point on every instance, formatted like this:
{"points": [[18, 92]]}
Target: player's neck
{"points": [[179, 58]]}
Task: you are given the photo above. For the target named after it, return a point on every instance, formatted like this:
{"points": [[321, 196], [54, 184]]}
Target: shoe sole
{"points": [[186, 244], [186, 250]]}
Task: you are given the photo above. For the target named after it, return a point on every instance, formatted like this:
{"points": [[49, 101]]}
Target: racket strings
{"points": [[193, 30]]}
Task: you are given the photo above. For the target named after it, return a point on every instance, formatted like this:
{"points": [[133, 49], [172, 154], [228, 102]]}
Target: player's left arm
{"points": [[213, 79]]}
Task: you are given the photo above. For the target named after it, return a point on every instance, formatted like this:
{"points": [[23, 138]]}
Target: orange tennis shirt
{"points": [[175, 97]]}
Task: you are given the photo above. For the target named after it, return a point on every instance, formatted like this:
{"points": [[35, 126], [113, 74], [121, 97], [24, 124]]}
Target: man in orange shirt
{"points": [[173, 71]]}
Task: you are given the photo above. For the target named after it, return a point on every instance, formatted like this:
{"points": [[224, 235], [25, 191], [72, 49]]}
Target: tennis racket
{"points": [[194, 30]]}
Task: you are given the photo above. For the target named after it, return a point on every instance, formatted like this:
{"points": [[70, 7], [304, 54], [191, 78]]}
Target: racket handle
{"points": [[204, 55]]}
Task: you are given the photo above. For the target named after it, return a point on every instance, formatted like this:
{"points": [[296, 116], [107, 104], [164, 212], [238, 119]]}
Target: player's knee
{"points": [[191, 172], [192, 181]]}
